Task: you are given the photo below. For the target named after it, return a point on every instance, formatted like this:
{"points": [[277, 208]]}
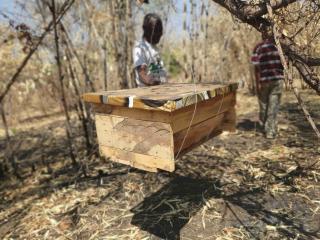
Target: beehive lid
{"points": [[167, 97]]}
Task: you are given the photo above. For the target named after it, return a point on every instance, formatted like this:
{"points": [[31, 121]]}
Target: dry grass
{"points": [[238, 186]]}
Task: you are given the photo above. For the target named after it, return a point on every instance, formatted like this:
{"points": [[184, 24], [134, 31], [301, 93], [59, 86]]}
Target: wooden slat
{"points": [[197, 133], [141, 114], [141, 161], [117, 155], [91, 98], [204, 110]]}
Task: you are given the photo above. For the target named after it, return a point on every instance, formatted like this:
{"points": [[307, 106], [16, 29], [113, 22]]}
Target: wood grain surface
{"points": [[167, 97], [153, 139]]}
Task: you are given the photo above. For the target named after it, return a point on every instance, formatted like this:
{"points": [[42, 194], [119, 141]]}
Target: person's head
{"points": [[152, 28], [266, 32]]}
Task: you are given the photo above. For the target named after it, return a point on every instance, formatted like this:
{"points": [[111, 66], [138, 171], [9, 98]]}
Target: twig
{"points": [[289, 76]]}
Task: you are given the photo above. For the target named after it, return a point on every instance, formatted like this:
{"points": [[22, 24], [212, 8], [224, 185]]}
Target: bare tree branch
{"points": [[308, 75], [284, 62], [66, 6], [253, 15], [310, 61], [247, 12]]}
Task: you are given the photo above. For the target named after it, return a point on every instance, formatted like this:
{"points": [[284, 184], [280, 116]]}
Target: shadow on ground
{"points": [[300, 129], [249, 125], [167, 211]]}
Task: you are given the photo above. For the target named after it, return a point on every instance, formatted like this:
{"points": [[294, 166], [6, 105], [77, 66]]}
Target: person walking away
{"points": [[269, 82]]}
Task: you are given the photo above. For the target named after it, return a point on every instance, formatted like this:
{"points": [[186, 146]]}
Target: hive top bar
{"points": [[167, 97]]}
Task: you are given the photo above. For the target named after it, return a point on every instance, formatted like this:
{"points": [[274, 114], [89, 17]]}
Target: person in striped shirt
{"points": [[269, 82]]}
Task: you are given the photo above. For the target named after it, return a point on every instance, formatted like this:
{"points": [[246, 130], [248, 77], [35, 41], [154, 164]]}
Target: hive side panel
{"points": [[182, 118], [186, 139], [229, 121], [136, 138]]}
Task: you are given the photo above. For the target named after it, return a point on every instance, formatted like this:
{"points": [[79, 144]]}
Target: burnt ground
{"points": [[236, 186]]}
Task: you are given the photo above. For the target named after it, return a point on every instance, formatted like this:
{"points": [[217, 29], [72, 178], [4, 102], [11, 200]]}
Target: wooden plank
{"points": [[145, 137], [168, 92], [117, 155], [204, 110], [91, 97], [168, 97], [196, 144], [141, 114], [137, 136], [145, 168], [141, 161], [229, 122], [198, 133]]}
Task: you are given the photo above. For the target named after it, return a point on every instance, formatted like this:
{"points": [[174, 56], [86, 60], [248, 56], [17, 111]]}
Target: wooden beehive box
{"points": [[148, 128]]}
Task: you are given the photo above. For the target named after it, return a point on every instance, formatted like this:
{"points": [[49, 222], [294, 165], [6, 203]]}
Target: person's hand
{"points": [[143, 74], [154, 81]]}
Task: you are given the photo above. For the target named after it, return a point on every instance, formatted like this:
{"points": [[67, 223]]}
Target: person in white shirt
{"points": [[148, 66]]}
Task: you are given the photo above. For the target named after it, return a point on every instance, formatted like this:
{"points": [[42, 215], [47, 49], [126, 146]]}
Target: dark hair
{"points": [[152, 27]]}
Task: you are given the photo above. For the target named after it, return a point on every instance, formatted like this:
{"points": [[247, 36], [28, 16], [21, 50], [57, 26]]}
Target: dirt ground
{"points": [[236, 186]]}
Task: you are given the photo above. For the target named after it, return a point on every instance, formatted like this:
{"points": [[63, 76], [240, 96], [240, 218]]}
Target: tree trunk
{"points": [[184, 43], [60, 76], [129, 45], [119, 54], [206, 38], [9, 154], [82, 115], [87, 79], [105, 66]]}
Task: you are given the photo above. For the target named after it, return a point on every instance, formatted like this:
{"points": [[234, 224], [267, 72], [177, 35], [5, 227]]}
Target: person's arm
{"points": [[145, 78], [255, 60], [257, 76]]}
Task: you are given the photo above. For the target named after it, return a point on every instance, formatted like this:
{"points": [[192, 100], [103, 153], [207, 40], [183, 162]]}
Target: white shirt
{"points": [[147, 54]]}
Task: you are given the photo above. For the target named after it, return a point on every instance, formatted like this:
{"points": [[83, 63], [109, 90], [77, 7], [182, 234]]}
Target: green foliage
{"points": [[173, 66]]}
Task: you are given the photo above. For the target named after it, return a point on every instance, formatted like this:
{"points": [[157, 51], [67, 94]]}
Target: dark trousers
{"points": [[269, 102]]}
